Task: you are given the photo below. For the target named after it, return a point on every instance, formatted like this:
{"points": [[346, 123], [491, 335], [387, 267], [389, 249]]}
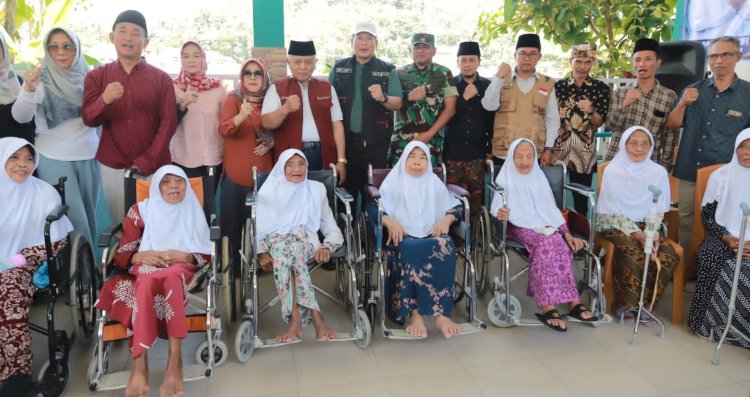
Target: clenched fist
{"points": [[376, 91], [417, 94], [470, 91], [113, 92], [292, 103], [503, 70], [31, 79]]}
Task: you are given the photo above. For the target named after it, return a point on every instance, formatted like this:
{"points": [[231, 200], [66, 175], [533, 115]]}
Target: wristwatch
{"points": [[342, 160]]}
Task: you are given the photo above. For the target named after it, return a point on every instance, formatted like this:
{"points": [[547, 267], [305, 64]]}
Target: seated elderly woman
{"points": [[727, 188], [165, 240], [291, 211], [421, 255], [537, 223], [26, 202], [624, 202]]}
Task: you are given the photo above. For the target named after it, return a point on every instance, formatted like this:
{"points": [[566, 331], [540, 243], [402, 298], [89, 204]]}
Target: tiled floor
{"points": [[521, 361]]}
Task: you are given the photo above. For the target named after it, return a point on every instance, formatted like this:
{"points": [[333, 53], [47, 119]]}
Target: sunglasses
{"points": [[65, 47], [249, 73]]}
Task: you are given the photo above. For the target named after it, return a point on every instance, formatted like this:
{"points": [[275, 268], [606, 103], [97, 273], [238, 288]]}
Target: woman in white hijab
{"points": [[624, 202], [727, 188], [9, 89], [51, 96], [421, 255], [291, 211], [537, 223], [165, 240], [26, 202]]}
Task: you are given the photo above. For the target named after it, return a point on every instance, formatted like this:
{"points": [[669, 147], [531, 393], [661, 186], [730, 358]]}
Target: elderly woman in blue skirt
{"points": [[421, 256]]}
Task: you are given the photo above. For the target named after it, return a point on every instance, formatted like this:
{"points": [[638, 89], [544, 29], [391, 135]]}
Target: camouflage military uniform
{"points": [[416, 117]]}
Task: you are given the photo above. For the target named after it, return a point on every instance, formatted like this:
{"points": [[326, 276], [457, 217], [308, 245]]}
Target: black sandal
{"points": [[551, 314], [577, 311]]}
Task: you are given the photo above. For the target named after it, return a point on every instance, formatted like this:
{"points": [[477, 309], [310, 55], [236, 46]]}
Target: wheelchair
{"points": [[200, 312], [370, 234], [72, 275], [504, 310], [345, 260]]}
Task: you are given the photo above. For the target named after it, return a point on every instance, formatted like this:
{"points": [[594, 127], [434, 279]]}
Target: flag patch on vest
{"points": [[343, 70], [543, 91]]}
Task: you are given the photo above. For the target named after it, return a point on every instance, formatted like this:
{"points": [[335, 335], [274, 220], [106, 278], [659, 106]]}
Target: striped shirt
{"points": [[137, 128], [651, 111]]}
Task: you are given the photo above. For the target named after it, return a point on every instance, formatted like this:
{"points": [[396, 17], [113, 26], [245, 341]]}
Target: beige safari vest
{"points": [[521, 115]]}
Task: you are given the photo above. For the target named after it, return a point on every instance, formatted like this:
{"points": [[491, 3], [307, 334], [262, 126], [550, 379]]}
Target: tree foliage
{"points": [[613, 25]]}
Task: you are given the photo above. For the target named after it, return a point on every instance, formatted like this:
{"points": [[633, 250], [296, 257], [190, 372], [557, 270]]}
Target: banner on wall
{"points": [[705, 20]]}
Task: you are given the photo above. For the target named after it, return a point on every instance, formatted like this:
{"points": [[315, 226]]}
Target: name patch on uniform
{"points": [[343, 70], [323, 98], [380, 74], [734, 113], [543, 91]]}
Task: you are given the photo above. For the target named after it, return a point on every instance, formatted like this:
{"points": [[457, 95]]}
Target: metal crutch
{"points": [[735, 283], [652, 220]]}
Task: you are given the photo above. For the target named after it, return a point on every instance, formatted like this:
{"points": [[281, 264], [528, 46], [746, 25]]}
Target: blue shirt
{"points": [[711, 125]]}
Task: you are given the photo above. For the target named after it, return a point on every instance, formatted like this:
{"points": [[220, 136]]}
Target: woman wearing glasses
{"points": [[246, 145], [624, 203], [52, 96], [196, 144]]}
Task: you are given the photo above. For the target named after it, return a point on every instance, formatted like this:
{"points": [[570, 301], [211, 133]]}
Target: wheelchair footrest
{"points": [[606, 320], [264, 343], [119, 380], [114, 331], [466, 328], [341, 337]]}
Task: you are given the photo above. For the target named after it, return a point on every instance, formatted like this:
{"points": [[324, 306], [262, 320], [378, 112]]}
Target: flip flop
{"points": [[552, 314], [577, 311]]}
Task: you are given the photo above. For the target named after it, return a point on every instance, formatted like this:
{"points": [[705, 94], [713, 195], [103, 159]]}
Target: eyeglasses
{"points": [[528, 55], [251, 73], [290, 166], [724, 56], [65, 48], [637, 145]]}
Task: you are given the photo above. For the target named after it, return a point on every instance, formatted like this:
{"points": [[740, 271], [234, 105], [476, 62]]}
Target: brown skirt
{"points": [[629, 260]]}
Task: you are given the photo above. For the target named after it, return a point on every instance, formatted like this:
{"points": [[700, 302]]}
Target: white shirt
{"points": [[491, 102], [272, 103], [71, 140]]}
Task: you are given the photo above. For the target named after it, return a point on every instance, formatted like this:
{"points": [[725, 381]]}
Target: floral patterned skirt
{"points": [[149, 301], [420, 275], [16, 296]]}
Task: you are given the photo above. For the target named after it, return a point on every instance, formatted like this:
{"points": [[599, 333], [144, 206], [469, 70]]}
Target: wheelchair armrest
{"points": [[373, 191], [106, 237], [250, 199], [458, 190], [583, 190], [343, 194], [495, 187], [57, 213]]}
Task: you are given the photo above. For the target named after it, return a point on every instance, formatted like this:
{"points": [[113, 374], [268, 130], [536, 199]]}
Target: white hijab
{"points": [[529, 196], [9, 85], [729, 187], [25, 206], [180, 226], [625, 183], [417, 203], [284, 205]]}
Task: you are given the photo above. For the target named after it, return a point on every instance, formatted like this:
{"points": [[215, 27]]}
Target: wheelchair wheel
{"points": [[365, 277], [372, 309], [228, 304], [364, 325], [244, 341], [84, 286], [221, 352], [496, 311], [53, 382], [342, 279], [459, 282], [481, 250]]}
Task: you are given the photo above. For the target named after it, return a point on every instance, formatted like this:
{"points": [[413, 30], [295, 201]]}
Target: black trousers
{"points": [[359, 157], [233, 214]]}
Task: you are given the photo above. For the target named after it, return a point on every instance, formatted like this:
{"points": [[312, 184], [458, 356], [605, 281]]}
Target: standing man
{"points": [[525, 103], [304, 113], [134, 103], [369, 91], [429, 100], [711, 112], [468, 136], [646, 103], [583, 102]]}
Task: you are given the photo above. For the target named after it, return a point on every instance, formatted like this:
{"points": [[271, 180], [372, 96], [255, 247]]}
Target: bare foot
{"points": [[416, 326], [554, 322], [322, 332], [293, 332], [447, 326], [138, 382], [173, 384]]}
